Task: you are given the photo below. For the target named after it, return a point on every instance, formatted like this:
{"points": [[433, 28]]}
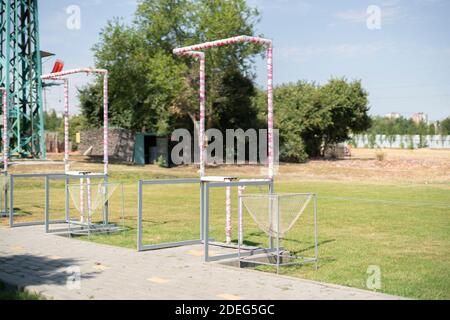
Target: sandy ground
{"points": [[423, 166]]}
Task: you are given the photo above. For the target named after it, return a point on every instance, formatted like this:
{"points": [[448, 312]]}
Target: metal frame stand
{"points": [[4, 211], [206, 186], [145, 247], [104, 227], [280, 254]]}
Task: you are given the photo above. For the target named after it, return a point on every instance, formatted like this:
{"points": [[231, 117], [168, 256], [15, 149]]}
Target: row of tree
{"points": [[153, 90], [55, 123], [403, 126]]}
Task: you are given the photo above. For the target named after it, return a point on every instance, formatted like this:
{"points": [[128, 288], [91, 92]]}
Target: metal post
{"points": [[89, 203], [240, 215], [206, 222], [278, 234], [11, 201], [228, 222], [5, 193], [47, 214], [82, 200], [240, 227], [316, 238], [106, 209], [202, 203], [271, 191], [139, 226], [66, 191]]}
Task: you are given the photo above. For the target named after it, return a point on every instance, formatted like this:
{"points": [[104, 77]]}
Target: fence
{"points": [[401, 141]]}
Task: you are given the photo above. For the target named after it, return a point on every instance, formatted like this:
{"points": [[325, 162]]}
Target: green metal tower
{"points": [[20, 73]]}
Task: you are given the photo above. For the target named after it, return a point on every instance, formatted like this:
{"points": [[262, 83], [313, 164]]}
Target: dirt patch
{"points": [[423, 166]]}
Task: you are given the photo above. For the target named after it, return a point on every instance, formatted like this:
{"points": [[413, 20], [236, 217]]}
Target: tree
{"points": [[310, 116], [445, 127], [347, 106], [53, 122], [153, 90]]}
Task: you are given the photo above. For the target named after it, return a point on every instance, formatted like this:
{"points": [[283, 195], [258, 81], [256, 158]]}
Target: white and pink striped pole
{"points": [[270, 158], [5, 129], [62, 76], [240, 209], [82, 213], [66, 126], [202, 99], [229, 223], [105, 124], [194, 51]]}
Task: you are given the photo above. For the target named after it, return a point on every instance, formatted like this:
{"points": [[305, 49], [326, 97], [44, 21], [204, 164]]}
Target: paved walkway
{"points": [[39, 263]]}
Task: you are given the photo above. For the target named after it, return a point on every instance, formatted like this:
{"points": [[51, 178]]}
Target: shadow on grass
{"points": [[296, 252], [29, 270]]}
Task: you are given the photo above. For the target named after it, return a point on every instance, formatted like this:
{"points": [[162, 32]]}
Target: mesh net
{"points": [[89, 198], [276, 214]]}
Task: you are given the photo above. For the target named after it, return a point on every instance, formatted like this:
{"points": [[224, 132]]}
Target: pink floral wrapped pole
{"points": [[5, 129], [194, 51], [63, 76]]}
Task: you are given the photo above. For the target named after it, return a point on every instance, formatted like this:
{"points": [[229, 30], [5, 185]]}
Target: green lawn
{"points": [[403, 229]]}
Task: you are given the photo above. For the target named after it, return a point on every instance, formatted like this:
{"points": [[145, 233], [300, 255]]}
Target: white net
{"points": [[90, 199], [276, 214]]}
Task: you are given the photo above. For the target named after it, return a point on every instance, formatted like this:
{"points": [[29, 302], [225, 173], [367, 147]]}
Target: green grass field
{"points": [[402, 228]]}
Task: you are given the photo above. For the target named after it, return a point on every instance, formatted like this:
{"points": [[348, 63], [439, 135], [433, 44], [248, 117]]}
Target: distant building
{"points": [[126, 146], [419, 118], [393, 115]]}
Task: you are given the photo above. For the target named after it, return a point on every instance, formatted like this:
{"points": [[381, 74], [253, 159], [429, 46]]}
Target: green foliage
{"points": [[347, 106], [153, 90], [53, 122], [311, 117], [161, 162], [400, 126], [444, 127], [372, 139]]}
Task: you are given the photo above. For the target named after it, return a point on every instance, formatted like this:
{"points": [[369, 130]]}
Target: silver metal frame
{"points": [[88, 228], [249, 251], [278, 249], [145, 247], [49, 176], [205, 187], [4, 211]]}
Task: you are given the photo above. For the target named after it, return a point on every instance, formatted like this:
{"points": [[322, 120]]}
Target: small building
{"points": [[393, 115], [420, 118], [126, 146]]}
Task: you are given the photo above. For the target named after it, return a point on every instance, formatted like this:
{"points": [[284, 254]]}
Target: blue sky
{"points": [[405, 65]]}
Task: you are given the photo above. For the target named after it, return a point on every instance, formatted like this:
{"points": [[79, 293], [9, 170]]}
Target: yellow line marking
{"points": [[158, 280], [226, 296], [100, 267], [16, 248], [199, 253]]}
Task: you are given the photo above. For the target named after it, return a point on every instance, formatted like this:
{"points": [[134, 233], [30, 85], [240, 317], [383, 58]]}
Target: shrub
{"points": [[380, 155]]}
